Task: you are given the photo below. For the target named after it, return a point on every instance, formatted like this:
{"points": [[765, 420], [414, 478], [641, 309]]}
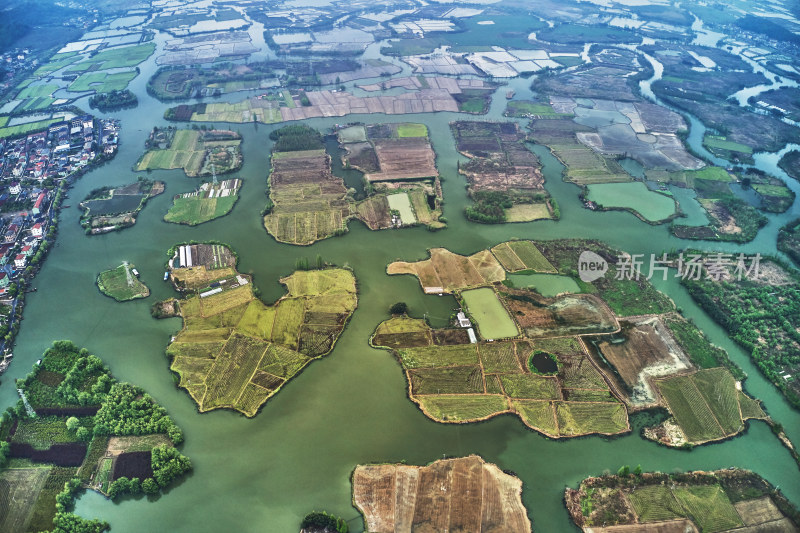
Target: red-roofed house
{"points": [[27, 250], [20, 261], [36, 230], [37, 207]]}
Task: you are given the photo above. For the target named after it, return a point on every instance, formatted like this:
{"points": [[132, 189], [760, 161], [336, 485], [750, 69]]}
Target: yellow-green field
{"points": [[235, 352]]}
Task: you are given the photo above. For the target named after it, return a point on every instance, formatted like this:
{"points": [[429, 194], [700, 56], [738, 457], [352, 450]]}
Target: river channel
{"points": [[350, 408]]}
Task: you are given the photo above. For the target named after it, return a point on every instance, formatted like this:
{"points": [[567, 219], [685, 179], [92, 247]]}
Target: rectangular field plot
{"points": [[530, 386], [450, 380], [217, 303], [288, 321], [530, 255], [508, 258], [439, 356], [499, 357], [718, 388], [709, 507], [492, 318], [461, 408], [576, 418], [257, 320]]}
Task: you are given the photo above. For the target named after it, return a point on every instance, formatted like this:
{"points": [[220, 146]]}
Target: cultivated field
{"points": [[706, 404], [454, 381], [19, 490], [309, 202], [208, 202], [235, 352], [196, 152], [463, 494], [583, 165], [522, 255], [446, 272], [500, 163], [722, 501]]}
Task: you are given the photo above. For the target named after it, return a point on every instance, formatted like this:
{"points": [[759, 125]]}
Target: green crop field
{"points": [[492, 318], [530, 386], [719, 391], [101, 82], [434, 356], [117, 57], [655, 503], [459, 408], [19, 490], [235, 352], [709, 507], [412, 130], [530, 255], [194, 151], [119, 283], [498, 357], [36, 91], [537, 414], [576, 418], [508, 258], [22, 129], [194, 210], [690, 409], [713, 141], [56, 62], [447, 380]]}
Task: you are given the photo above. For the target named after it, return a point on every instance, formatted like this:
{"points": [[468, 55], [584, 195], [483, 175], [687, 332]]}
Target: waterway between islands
{"points": [[264, 474]]}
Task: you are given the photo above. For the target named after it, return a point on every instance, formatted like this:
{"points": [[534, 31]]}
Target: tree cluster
{"points": [[295, 138], [128, 410]]}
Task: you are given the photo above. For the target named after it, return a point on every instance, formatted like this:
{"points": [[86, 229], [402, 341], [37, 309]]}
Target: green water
{"points": [[545, 284], [264, 474], [491, 317], [633, 195]]}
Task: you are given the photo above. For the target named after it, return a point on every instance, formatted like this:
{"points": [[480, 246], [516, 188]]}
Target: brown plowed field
{"points": [[404, 158], [457, 495]]}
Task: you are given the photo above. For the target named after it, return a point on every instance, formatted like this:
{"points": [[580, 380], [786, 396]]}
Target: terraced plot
{"points": [[235, 352]]}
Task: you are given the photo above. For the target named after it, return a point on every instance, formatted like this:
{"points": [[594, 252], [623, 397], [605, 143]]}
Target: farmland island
{"points": [[235, 352], [574, 362]]}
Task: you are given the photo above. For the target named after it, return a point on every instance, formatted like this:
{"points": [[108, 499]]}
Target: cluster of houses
{"points": [[29, 166], [64, 147]]}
